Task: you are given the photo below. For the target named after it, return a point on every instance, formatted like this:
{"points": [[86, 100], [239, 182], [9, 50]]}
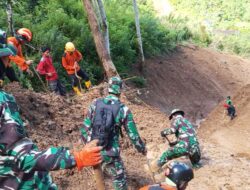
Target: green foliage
{"points": [[226, 22], [54, 23], [139, 82]]}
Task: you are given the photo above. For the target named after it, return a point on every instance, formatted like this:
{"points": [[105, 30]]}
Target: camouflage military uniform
{"points": [[187, 143], [113, 164], [22, 165], [231, 111]]}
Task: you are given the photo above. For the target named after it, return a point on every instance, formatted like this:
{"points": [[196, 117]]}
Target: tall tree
{"points": [[138, 32], [9, 12], [102, 51], [104, 24]]}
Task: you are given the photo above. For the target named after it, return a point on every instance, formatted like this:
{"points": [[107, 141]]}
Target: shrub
{"points": [[139, 82], [54, 23]]}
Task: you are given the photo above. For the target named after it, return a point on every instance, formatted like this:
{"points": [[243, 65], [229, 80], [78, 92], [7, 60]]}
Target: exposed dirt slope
{"points": [[197, 79], [55, 121], [194, 79], [226, 148]]}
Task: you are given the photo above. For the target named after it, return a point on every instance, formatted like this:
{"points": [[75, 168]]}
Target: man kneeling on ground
{"points": [[186, 144]]}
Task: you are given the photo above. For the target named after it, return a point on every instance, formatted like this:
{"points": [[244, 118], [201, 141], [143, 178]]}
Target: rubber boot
{"points": [[77, 91], [88, 84]]}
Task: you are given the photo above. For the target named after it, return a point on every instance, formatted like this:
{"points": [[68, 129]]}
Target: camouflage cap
{"points": [[7, 50], [3, 37], [115, 85]]}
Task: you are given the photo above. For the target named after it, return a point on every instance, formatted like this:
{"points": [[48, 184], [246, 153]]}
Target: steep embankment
{"points": [[193, 79], [226, 147]]}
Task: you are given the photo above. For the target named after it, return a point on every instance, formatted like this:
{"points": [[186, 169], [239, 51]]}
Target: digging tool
{"points": [[78, 77], [169, 142], [44, 86], [32, 47], [99, 177], [150, 170], [98, 174]]}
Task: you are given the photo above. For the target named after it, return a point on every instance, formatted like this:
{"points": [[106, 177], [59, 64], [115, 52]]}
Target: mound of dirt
{"points": [[193, 79], [226, 150], [55, 121]]}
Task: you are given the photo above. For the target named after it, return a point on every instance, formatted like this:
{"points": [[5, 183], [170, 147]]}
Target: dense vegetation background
{"points": [[224, 24], [54, 23]]}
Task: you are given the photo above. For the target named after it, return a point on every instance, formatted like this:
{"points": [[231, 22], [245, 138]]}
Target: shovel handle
{"points": [[152, 173], [99, 177]]}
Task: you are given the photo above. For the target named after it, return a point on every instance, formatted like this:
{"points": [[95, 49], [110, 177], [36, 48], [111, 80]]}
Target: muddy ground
{"points": [[55, 121]]}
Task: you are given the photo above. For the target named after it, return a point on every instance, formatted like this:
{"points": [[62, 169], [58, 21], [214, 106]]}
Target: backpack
{"points": [[103, 127]]}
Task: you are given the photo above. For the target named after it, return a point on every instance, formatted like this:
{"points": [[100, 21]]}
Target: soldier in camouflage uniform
{"points": [[112, 162], [231, 111], [22, 165], [187, 143], [5, 65]]}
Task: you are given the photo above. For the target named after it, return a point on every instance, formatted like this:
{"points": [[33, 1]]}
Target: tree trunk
{"points": [[138, 32], [97, 11], [102, 52], [105, 29], [10, 17]]}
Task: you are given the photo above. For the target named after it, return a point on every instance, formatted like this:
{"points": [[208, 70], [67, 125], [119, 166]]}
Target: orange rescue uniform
{"points": [[19, 58], [70, 61]]}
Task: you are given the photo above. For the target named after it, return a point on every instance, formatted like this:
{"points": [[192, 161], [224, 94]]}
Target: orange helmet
{"points": [[24, 34]]}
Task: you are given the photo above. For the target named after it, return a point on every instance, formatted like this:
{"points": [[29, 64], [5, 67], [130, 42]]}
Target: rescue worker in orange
{"points": [[23, 35], [70, 62]]}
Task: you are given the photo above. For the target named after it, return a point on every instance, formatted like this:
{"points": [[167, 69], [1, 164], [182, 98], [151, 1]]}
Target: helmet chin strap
{"points": [[20, 38], [182, 186]]}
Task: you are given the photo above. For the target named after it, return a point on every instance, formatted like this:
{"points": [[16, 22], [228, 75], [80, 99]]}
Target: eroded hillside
{"points": [[194, 79], [196, 85]]}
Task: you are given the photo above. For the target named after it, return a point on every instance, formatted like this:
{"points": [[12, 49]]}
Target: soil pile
{"points": [[197, 79], [226, 147], [55, 121], [194, 79]]}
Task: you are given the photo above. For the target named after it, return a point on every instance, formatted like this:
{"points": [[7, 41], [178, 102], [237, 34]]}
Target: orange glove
{"points": [[90, 155]]}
